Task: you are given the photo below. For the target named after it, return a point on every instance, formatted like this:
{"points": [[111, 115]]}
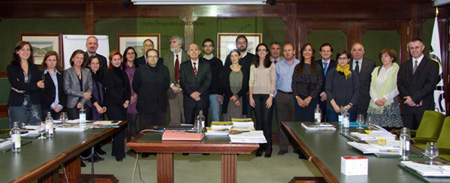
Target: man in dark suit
{"points": [[416, 81], [92, 46], [147, 45], [173, 60], [363, 67], [195, 79], [326, 51]]}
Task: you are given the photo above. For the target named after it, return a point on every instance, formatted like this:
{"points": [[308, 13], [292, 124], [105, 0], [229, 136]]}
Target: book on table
{"points": [[317, 126], [255, 136], [423, 168], [181, 135]]}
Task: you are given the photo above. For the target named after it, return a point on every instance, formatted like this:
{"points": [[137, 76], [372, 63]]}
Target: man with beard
{"points": [[216, 67], [173, 59], [148, 45], [246, 61]]}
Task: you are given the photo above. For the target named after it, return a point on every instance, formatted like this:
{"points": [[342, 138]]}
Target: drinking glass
{"points": [[369, 122], [431, 151], [63, 118], [41, 130], [360, 120]]}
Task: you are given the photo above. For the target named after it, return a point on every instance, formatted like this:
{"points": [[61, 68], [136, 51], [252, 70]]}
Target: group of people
{"points": [[265, 83]]}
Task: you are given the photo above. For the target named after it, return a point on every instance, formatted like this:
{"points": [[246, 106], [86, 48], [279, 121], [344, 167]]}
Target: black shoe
{"points": [[82, 163], [206, 154], [100, 151], [185, 154], [119, 159], [96, 156], [144, 155], [268, 152], [282, 152], [259, 152]]}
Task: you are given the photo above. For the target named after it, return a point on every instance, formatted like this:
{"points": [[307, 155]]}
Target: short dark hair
{"points": [[242, 36], [275, 42], [149, 40], [208, 40], [78, 52], [326, 44], [146, 53], [342, 53]]}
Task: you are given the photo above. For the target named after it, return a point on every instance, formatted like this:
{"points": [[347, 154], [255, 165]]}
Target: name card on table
{"points": [[354, 165]]}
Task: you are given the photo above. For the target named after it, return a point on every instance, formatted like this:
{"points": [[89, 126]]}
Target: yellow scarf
{"points": [[345, 70]]}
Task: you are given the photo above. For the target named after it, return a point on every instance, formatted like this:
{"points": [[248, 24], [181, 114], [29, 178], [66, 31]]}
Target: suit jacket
{"points": [[189, 83], [72, 86], [48, 93], [16, 79], [420, 85], [365, 76], [331, 66], [141, 60]]}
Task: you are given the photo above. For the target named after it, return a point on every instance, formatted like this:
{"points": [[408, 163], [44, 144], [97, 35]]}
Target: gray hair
{"points": [[180, 40]]}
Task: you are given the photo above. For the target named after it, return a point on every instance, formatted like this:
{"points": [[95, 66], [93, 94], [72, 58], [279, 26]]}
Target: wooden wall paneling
{"points": [[89, 20], [289, 19]]}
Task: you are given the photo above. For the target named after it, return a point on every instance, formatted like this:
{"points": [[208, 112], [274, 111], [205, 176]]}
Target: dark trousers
{"points": [[305, 114], [132, 126], [148, 120], [285, 108], [74, 113], [249, 107], [412, 121], [263, 116], [116, 112], [190, 114]]}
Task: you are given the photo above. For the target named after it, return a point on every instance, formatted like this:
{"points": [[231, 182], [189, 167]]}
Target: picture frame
{"points": [[227, 42], [136, 41], [42, 43]]}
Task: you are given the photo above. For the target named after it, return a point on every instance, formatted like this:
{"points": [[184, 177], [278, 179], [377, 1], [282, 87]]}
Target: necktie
{"points": [[325, 68], [275, 61], [195, 70], [415, 66], [357, 66], [177, 70]]}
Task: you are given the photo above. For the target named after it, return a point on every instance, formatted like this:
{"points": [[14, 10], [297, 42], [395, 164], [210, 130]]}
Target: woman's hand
{"points": [[133, 99], [79, 105], [99, 109], [269, 102], [347, 107], [40, 84], [126, 103], [307, 101], [252, 102], [87, 95], [380, 102], [233, 98], [16, 90], [237, 103], [57, 108], [300, 102]]}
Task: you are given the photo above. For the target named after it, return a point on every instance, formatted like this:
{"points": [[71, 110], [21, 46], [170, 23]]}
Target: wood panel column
{"points": [[89, 20], [189, 20]]}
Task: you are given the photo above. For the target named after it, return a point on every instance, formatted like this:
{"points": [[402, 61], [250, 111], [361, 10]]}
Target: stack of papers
{"points": [[219, 128], [72, 128], [106, 124], [373, 147], [256, 137], [317, 126], [373, 135], [438, 169], [243, 126]]}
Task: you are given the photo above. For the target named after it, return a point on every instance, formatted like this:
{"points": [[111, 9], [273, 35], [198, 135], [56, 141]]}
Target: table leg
{"points": [[229, 171], [165, 167], [73, 169]]}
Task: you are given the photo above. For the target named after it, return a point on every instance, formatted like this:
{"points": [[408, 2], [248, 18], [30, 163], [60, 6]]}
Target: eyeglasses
{"points": [[130, 53], [342, 58], [262, 50]]}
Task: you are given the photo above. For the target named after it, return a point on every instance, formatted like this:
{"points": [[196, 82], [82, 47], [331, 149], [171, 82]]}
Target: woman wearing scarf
{"points": [[342, 88], [384, 107]]}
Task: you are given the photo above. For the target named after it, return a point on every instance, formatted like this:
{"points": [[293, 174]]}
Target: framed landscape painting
{"points": [[42, 43], [227, 42], [136, 41]]}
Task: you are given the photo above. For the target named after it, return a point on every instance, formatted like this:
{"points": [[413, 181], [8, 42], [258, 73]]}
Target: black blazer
{"points": [[48, 93], [151, 85], [420, 85], [365, 76], [332, 65], [117, 87], [16, 79], [189, 83], [227, 90]]}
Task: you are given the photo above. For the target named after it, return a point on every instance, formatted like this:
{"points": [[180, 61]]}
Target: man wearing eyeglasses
{"points": [[147, 45]]}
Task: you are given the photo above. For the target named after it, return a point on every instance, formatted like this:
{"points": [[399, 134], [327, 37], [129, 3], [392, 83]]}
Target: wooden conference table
{"points": [[151, 142], [41, 159], [325, 148]]}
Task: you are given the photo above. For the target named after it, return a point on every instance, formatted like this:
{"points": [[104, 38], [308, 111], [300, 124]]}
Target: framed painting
{"points": [[42, 43], [136, 41], [227, 42]]}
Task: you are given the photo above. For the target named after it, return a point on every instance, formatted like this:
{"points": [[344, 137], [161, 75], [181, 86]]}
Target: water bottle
{"points": [[405, 139], [200, 122], [346, 120], [317, 114], [49, 125], [340, 116], [82, 117], [15, 138]]}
